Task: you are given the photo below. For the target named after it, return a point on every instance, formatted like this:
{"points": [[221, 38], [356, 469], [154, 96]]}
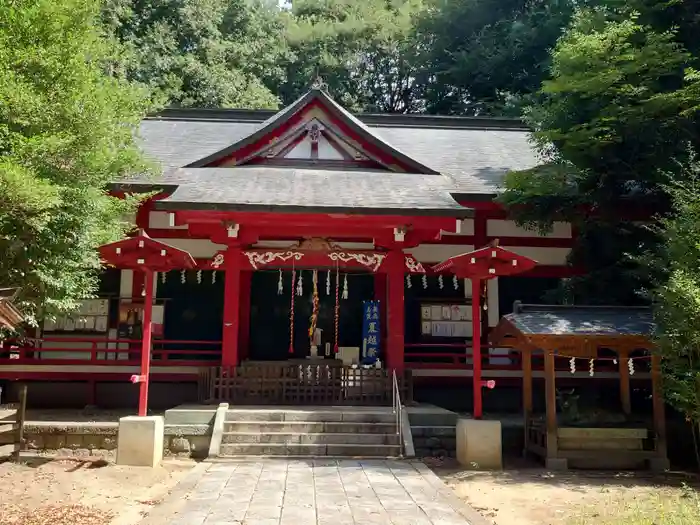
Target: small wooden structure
{"points": [[580, 332], [300, 382], [12, 420]]}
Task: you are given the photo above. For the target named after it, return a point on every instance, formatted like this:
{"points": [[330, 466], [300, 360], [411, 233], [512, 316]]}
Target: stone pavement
{"points": [[315, 492]]}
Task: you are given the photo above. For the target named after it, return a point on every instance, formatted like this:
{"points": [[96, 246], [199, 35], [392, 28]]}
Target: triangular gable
{"points": [[316, 130]]}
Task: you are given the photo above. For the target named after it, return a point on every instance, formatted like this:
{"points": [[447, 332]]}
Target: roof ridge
{"points": [[412, 120]]}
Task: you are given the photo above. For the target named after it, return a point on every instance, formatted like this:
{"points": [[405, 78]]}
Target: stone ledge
{"points": [[187, 430], [71, 427]]}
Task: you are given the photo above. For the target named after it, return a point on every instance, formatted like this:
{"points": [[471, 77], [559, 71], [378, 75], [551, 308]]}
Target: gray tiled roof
{"points": [[264, 187], [474, 159], [581, 320]]}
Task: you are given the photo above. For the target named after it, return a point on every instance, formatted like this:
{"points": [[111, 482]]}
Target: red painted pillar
{"points": [[146, 344], [380, 283], [244, 316], [476, 345], [395, 310], [232, 306]]}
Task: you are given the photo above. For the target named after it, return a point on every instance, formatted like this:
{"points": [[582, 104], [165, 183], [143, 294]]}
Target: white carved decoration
{"points": [[373, 261], [413, 265], [257, 259], [218, 261]]}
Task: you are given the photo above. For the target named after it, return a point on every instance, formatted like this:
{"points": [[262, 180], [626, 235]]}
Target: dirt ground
{"points": [[528, 495], [72, 491]]}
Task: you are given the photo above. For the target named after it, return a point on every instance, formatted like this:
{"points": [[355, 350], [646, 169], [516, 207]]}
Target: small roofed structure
{"points": [[580, 333], [10, 316]]}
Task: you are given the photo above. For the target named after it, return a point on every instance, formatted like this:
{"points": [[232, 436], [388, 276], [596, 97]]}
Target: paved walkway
{"points": [[314, 492]]}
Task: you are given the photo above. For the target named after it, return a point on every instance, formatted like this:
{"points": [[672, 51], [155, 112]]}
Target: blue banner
{"points": [[371, 333]]}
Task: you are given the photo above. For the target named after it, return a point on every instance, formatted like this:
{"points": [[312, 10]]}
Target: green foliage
{"points": [[613, 125], [364, 51], [66, 130], [676, 271], [203, 53], [486, 56]]}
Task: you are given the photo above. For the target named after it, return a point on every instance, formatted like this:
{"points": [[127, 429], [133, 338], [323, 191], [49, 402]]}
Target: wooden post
{"points": [[526, 356], [232, 307], [551, 400], [657, 397], [19, 421], [476, 347], [623, 367], [395, 310], [146, 345]]}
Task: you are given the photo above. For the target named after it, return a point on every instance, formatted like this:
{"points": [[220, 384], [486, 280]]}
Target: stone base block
{"points": [[659, 464], [140, 441], [556, 464], [479, 444]]}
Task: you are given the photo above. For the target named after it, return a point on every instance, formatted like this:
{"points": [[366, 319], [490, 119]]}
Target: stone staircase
{"points": [[329, 431]]}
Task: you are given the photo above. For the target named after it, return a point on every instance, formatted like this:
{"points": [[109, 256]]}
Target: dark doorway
{"points": [[270, 319]]}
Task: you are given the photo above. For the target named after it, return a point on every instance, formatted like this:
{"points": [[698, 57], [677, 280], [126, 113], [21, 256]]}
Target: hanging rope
{"points": [[291, 315], [337, 308], [314, 311]]}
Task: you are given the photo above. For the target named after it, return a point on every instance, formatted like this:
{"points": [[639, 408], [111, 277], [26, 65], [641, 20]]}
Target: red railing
{"points": [[109, 352]]}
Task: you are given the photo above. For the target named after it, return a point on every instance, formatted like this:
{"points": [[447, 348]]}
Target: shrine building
{"points": [[303, 223]]}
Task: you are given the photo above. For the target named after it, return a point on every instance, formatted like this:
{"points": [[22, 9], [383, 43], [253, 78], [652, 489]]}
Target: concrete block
{"points": [[140, 441], [479, 444], [556, 464]]}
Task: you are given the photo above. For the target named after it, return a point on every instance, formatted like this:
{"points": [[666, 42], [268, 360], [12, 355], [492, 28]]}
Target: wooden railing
{"points": [[108, 352], [301, 384], [12, 418]]}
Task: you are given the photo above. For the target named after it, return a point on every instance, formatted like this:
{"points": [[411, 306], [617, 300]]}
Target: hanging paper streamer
{"points": [[345, 287], [441, 284], [280, 285], [485, 296], [213, 277], [591, 368], [455, 282], [291, 315], [199, 276], [328, 282], [425, 281], [370, 332], [408, 280], [163, 277], [630, 366], [300, 284], [183, 277], [337, 310], [572, 365]]}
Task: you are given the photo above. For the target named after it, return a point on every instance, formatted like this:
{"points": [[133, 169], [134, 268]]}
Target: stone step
{"points": [[318, 416], [289, 438], [433, 431], [281, 449], [299, 427]]}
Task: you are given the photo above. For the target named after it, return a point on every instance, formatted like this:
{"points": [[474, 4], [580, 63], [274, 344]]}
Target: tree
{"points": [[66, 130], [364, 51], [202, 53], [613, 125], [485, 56], [676, 269]]}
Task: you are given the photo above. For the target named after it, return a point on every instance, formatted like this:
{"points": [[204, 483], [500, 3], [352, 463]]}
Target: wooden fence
{"points": [[12, 419], [301, 384]]}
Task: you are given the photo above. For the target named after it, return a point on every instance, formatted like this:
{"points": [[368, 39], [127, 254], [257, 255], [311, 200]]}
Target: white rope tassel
{"points": [[572, 365], [441, 284], [425, 281], [163, 276], [591, 368], [328, 282], [630, 365], [280, 285], [409, 284], [183, 277], [345, 287], [213, 277], [300, 284], [455, 282], [199, 276]]}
